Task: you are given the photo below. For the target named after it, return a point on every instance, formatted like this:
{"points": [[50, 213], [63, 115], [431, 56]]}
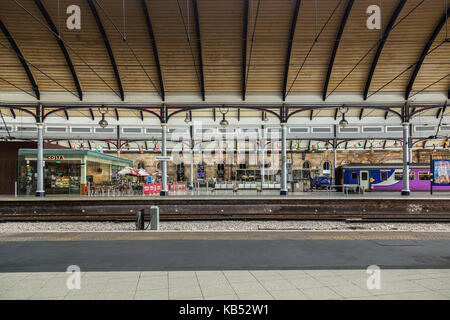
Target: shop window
{"points": [[180, 171], [141, 165], [306, 170], [201, 174]]}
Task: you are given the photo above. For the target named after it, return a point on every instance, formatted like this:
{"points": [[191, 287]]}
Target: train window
{"points": [[424, 176], [364, 176], [399, 176], [384, 175], [354, 175]]}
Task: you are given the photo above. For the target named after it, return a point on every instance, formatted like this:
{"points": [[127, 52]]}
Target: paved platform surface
{"points": [[421, 284], [181, 251], [225, 265]]}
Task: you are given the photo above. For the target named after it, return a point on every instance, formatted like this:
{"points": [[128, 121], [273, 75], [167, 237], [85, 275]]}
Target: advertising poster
{"points": [[441, 172]]}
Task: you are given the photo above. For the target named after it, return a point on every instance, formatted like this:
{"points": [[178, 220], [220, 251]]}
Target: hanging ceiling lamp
{"points": [[103, 123], [343, 123], [187, 120], [224, 122]]}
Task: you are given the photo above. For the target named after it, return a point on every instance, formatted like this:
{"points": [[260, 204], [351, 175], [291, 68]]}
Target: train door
{"points": [[364, 179]]}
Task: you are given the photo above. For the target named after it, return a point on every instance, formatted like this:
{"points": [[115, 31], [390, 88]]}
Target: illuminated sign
{"points": [[55, 157]]}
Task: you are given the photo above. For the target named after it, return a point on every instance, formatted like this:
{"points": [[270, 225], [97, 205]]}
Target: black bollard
{"points": [[140, 220]]}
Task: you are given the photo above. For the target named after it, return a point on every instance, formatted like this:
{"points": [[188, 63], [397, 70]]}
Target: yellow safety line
{"points": [[241, 237]]}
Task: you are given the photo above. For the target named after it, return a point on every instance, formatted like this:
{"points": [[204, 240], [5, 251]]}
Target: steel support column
{"points": [[164, 191], [334, 161], [191, 164], [283, 191], [262, 150], [118, 141], [410, 145], [40, 192], [405, 190]]}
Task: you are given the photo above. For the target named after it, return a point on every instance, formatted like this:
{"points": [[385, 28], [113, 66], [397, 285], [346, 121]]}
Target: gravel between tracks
{"points": [[222, 226]]}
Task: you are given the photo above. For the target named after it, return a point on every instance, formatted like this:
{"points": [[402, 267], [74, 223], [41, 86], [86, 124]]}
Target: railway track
{"points": [[349, 218], [356, 209]]}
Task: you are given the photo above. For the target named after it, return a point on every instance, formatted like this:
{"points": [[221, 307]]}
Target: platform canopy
{"points": [[142, 62]]}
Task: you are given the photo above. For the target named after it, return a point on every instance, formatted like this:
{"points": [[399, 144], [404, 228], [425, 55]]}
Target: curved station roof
{"points": [[298, 61]]}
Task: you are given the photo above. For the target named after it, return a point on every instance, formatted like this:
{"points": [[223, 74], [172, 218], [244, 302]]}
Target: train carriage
{"points": [[386, 177]]}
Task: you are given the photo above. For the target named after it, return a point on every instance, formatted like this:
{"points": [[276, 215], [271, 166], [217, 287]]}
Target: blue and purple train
{"points": [[386, 177]]}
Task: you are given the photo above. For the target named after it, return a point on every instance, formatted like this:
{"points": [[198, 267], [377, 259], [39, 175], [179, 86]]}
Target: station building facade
{"points": [[300, 166]]}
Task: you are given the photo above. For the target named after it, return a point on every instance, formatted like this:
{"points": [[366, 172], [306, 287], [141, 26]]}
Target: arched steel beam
{"points": [[62, 46], [108, 48], [92, 114], [387, 31], [366, 139], [154, 47], [416, 112], [12, 107], [115, 108], [361, 114], [25, 66], [244, 50], [440, 110], [387, 109], [335, 47], [427, 47], [210, 107], [199, 48], [289, 49]]}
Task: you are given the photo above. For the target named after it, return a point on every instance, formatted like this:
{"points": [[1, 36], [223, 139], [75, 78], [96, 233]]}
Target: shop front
{"points": [[67, 171]]}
